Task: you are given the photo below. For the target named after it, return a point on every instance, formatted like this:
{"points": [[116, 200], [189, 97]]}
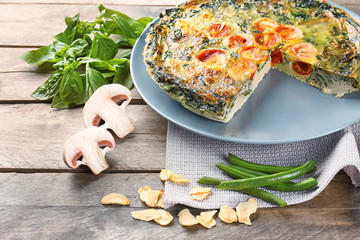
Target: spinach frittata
{"points": [[210, 55]]}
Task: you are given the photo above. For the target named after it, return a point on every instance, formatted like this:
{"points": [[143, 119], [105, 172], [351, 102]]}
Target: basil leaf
{"points": [[111, 64], [84, 28], [67, 20], [107, 13], [110, 27], [58, 46], [71, 65], [98, 64], [61, 49], [103, 66], [108, 74], [145, 21], [93, 80], [69, 34], [84, 42], [123, 43], [39, 56], [71, 88], [126, 54], [67, 54], [123, 23], [58, 103], [103, 47], [50, 87], [138, 28], [78, 47], [118, 62], [123, 76]]}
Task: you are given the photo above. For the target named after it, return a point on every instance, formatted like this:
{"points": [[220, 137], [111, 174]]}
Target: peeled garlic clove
{"points": [[186, 218], [115, 198], [199, 193], [164, 219], [208, 215], [146, 215], [227, 214], [160, 202], [200, 197], [199, 190], [150, 197], [165, 174], [143, 189], [245, 209], [178, 179], [206, 224]]}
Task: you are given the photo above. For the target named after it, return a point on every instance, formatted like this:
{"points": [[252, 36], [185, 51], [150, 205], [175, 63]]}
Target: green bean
{"points": [[234, 173], [256, 166], [266, 196], [210, 181], [239, 172], [270, 179], [253, 172]]}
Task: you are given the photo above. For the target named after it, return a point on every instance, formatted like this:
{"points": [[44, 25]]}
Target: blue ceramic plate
{"points": [[281, 109]]}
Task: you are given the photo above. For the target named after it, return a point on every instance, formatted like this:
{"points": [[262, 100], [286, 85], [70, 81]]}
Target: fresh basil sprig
{"points": [[85, 57]]}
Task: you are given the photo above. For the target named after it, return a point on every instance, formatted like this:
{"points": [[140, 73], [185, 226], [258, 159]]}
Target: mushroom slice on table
{"points": [[108, 104], [89, 147]]}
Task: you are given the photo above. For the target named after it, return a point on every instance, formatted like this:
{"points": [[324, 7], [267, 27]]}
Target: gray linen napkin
{"points": [[194, 156]]}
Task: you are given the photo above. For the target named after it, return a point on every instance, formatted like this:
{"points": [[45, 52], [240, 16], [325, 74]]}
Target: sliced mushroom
{"points": [[343, 50], [108, 104], [326, 25], [89, 147]]}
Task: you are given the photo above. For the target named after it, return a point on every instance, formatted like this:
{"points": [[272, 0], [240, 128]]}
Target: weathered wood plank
{"points": [[9, 61], [88, 187], [44, 189], [35, 25], [41, 136], [62, 205], [49, 222]]}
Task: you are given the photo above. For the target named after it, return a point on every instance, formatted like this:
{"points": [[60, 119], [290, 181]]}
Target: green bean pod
{"points": [[256, 166], [239, 172], [266, 196], [270, 179]]}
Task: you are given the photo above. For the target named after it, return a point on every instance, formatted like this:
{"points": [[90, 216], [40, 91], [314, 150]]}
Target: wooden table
{"points": [[40, 198]]}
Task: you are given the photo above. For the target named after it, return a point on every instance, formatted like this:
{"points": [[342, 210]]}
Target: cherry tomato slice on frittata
{"points": [[207, 54], [302, 68], [276, 57], [304, 50], [254, 53], [265, 24], [289, 32], [239, 40], [219, 30], [267, 40]]}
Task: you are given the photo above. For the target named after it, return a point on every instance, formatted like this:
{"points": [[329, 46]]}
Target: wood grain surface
{"points": [[51, 209], [40, 198], [42, 134]]}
